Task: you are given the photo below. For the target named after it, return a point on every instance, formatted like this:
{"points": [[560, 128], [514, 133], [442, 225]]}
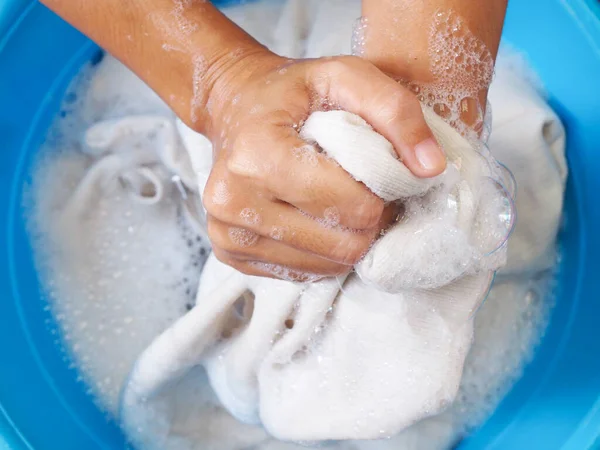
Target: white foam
{"points": [[106, 324], [285, 273], [250, 216], [462, 68], [358, 36], [200, 68], [242, 237], [277, 233], [110, 290], [221, 195]]}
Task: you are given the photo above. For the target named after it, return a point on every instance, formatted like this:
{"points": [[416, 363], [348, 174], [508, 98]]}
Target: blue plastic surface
{"points": [[556, 405]]}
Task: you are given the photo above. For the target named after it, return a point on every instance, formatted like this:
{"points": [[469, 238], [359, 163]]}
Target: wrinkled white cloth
{"points": [[317, 362], [440, 236], [103, 213], [143, 177], [522, 120], [289, 377], [134, 196]]}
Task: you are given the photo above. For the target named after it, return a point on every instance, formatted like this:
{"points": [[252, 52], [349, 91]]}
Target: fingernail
{"points": [[429, 154]]}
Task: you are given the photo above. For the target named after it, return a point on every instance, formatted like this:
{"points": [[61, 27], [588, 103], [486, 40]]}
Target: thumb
{"points": [[393, 111]]}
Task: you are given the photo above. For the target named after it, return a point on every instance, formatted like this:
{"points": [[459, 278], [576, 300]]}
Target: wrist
{"points": [[226, 78]]}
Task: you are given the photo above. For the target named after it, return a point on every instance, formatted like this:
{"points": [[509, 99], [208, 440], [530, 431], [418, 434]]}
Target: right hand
{"points": [[278, 209]]}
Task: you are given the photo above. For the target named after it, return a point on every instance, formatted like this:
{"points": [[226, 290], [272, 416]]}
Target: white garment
{"points": [[441, 236], [540, 172], [338, 371], [352, 335], [103, 213], [282, 382]]}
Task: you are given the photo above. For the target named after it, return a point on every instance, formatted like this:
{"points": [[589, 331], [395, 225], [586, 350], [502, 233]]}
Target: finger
{"points": [[298, 174], [392, 110], [261, 269], [269, 251], [283, 222]]}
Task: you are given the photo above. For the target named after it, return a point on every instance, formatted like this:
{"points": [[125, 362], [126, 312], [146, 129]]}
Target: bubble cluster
{"points": [[331, 217], [184, 25], [285, 273], [250, 216], [359, 36], [462, 69], [242, 237], [306, 154], [221, 195], [277, 233], [200, 67]]}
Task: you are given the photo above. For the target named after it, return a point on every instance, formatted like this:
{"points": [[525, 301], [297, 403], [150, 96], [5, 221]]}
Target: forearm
{"points": [[178, 47], [443, 49], [399, 32]]}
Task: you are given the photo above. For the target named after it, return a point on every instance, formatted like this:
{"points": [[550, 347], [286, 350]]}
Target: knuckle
{"points": [[368, 213], [351, 251], [243, 162], [341, 64], [216, 194], [335, 66], [217, 235], [236, 242], [208, 201], [220, 197], [246, 156]]}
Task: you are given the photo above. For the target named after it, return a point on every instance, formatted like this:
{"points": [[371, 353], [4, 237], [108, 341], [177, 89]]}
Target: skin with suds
{"points": [[251, 102]]}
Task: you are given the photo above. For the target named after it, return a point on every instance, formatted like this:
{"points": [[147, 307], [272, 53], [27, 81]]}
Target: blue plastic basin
{"points": [[556, 404]]}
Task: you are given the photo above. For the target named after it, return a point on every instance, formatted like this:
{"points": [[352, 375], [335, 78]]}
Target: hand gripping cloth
{"points": [[356, 358]]}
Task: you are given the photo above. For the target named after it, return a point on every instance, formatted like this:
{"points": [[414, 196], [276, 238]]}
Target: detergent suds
{"points": [[118, 271]]}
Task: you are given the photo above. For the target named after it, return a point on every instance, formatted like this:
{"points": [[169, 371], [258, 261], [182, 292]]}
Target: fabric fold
{"points": [[314, 362]]}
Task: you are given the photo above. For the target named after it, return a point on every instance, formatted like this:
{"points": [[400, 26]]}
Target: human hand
{"points": [[275, 205]]}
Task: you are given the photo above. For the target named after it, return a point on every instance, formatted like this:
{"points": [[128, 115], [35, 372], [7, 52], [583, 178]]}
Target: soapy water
{"points": [[108, 280], [94, 318]]}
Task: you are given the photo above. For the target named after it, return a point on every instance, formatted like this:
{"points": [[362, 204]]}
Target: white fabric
{"points": [[255, 377], [103, 211], [522, 120], [95, 287], [437, 240], [306, 387]]}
